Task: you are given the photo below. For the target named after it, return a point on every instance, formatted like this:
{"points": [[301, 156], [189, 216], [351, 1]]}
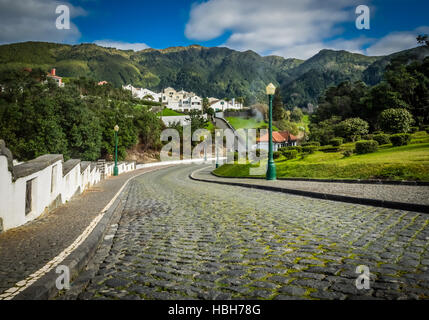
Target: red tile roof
{"points": [[279, 137]]}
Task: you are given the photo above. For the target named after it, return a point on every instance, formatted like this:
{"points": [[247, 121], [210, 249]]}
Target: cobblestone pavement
{"points": [[26, 249], [397, 193], [181, 239]]}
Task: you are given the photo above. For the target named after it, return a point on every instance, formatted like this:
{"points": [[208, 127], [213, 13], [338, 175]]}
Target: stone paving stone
{"points": [[178, 238]]}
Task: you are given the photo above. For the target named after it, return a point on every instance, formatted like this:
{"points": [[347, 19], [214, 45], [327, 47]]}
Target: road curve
{"points": [[182, 239]]}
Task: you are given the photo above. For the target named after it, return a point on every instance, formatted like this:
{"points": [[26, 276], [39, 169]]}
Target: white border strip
{"points": [[31, 279]]}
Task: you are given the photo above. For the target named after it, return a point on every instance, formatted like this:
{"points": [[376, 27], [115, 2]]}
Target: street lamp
{"points": [[115, 169], [271, 171], [217, 149]]}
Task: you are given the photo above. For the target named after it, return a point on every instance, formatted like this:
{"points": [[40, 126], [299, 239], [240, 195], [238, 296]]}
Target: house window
{"points": [[29, 196]]}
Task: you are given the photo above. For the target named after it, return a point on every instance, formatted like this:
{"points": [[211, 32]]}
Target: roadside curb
{"points": [[45, 287], [325, 196], [357, 181]]}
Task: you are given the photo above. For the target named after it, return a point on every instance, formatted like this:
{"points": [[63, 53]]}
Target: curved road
{"points": [[181, 239]]}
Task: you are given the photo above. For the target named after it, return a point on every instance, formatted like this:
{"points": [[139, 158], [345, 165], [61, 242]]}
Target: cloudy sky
{"points": [[289, 28]]}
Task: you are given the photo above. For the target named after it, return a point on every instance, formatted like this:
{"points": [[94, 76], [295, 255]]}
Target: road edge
{"points": [[420, 208]]}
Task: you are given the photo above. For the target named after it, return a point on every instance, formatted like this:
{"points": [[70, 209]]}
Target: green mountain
{"points": [[217, 72]]}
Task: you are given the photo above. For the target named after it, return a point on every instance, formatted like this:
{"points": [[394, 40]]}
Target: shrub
{"points": [[309, 149], [276, 154], [290, 154], [297, 148], [351, 129], [414, 129], [382, 138], [396, 120], [347, 153], [336, 142], [366, 146], [400, 139], [330, 149], [311, 143]]}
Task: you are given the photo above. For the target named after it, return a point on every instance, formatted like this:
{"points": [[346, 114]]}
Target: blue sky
{"points": [[289, 28]]}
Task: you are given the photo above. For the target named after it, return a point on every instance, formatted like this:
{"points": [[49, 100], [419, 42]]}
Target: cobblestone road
{"points": [[180, 239]]}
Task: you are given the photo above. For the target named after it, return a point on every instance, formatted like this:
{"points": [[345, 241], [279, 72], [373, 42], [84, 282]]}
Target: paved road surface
{"points": [[181, 239]]}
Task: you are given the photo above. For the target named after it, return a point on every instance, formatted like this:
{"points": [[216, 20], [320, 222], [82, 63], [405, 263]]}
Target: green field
{"points": [[400, 163], [242, 123], [169, 113]]}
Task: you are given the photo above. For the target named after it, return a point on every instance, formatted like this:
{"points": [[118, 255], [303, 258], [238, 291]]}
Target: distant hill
{"points": [[218, 72]]}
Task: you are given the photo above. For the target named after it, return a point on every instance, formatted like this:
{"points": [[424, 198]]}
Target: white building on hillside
{"points": [[222, 105], [145, 94]]}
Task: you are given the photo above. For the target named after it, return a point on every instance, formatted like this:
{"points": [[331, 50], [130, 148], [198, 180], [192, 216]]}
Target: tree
{"points": [[323, 131], [352, 129], [296, 115], [423, 39], [278, 109], [396, 121]]}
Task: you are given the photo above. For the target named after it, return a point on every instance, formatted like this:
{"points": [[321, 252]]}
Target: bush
{"points": [[297, 148], [351, 129], [400, 139], [336, 142], [396, 120], [330, 149], [290, 154], [382, 138], [310, 149], [363, 147], [311, 143], [347, 153], [414, 129], [276, 154]]}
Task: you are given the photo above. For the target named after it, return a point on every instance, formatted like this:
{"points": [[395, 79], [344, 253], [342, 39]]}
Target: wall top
{"points": [[8, 154], [69, 165], [38, 164]]}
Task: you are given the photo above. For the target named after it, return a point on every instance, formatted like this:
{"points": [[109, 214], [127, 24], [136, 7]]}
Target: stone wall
{"points": [[29, 189]]}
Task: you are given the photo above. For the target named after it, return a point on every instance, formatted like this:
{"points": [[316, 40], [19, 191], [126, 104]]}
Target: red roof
{"points": [[279, 137]]}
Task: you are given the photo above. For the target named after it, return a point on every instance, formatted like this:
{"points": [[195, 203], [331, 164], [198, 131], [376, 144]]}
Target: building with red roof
{"points": [[281, 139]]}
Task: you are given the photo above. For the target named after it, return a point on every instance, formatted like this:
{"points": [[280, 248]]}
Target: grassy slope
{"points": [[400, 163], [242, 123], [170, 113]]}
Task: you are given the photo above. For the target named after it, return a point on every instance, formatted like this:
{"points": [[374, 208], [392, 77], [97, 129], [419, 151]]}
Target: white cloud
{"points": [[34, 20], [287, 27], [396, 41], [121, 45]]}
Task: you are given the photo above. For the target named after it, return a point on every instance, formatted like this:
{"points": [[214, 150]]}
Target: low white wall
{"points": [[48, 187]]}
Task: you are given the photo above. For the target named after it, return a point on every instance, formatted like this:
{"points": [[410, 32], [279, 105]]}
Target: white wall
{"points": [[48, 186]]}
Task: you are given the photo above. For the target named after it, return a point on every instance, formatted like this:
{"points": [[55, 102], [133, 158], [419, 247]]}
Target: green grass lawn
{"points": [[400, 163], [169, 113], [242, 123]]}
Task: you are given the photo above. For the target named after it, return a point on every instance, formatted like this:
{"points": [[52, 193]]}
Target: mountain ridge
{"points": [[207, 71]]}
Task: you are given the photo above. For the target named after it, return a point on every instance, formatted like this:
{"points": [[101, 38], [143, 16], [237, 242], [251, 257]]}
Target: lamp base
{"points": [[115, 171], [271, 172]]}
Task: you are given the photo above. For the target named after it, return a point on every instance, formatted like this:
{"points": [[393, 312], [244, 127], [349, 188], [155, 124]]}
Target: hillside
{"points": [[219, 72]]}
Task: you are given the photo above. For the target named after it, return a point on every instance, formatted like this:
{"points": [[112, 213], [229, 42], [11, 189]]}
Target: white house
{"points": [[222, 105], [140, 93], [280, 140]]}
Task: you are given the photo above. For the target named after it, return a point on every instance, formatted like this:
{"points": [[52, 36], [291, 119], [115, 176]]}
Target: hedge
{"points": [[336, 142], [290, 154], [366, 146], [382, 138], [414, 129], [330, 149], [276, 154], [400, 139], [310, 149], [311, 143]]}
